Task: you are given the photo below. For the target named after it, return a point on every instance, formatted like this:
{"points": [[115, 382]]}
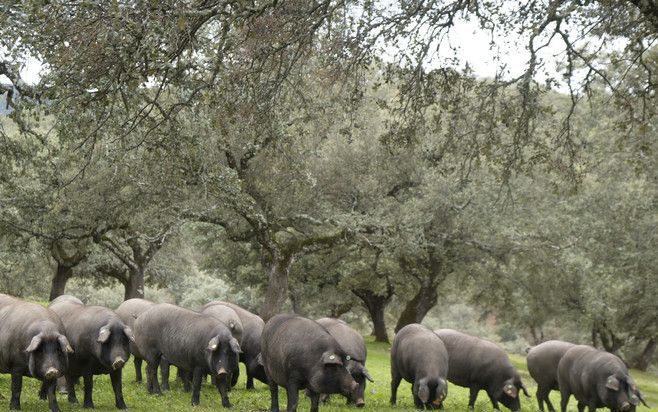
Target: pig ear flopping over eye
{"points": [[612, 383], [213, 344], [329, 358], [511, 390], [103, 334], [34, 343], [129, 333], [64, 344], [423, 392], [235, 346]]}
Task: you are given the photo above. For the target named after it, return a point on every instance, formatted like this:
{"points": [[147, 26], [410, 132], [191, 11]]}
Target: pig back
{"points": [[419, 352], [349, 339], [474, 361], [543, 361]]}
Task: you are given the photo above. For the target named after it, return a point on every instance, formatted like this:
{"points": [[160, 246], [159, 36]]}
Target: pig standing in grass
{"points": [[128, 311], [597, 379], [478, 364], [252, 329], [542, 364], [298, 353], [419, 357], [101, 344], [189, 340], [32, 343], [352, 343]]}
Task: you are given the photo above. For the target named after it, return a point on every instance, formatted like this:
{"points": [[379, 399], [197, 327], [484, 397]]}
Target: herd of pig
{"points": [[70, 340]]}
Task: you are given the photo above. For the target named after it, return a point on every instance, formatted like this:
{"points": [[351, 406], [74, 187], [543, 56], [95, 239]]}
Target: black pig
{"points": [[298, 353], [597, 379], [128, 311], [101, 344], [478, 364], [542, 364], [32, 343], [252, 329], [419, 357], [189, 340], [352, 343]]}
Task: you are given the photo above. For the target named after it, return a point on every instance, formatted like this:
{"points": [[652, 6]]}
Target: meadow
{"points": [[377, 393]]}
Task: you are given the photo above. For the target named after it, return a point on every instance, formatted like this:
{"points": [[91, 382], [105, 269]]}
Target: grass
{"points": [[377, 394]]}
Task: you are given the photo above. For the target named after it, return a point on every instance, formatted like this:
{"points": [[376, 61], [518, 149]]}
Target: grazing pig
{"points": [[419, 357], [252, 328], [478, 364], [128, 311], [32, 343], [298, 353], [101, 344], [189, 340], [542, 364], [597, 379], [353, 345]]}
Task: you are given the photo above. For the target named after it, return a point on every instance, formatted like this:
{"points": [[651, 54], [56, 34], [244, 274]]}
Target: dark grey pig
{"points": [[597, 379], [128, 311], [478, 364], [298, 353], [542, 364], [252, 329], [189, 340], [419, 357], [101, 344], [352, 343], [32, 343]]}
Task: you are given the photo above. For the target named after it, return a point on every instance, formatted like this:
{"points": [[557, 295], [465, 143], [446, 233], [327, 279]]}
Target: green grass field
{"points": [[377, 394]]}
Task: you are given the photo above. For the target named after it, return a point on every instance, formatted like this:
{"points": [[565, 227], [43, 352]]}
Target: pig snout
{"points": [[118, 363], [625, 406], [221, 372], [52, 373], [360, 403]]}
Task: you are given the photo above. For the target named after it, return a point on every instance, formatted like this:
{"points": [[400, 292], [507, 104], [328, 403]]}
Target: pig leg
{"points": [[395, 382], [234, 376], [16, 388], [186, 377], [548, 403], [70, 389], [472, 397], [164, 373], [89, 387], [138, 369], [197, 375], [115, 377], [250, 381], [222, 384], [564, 400], [274, 396], [52, 398], [315, 401], [152, 376], [293, 397], [43, 392]]}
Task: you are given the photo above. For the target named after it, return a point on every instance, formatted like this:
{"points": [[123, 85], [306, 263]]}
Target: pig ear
{"points": [[511, 390], [612, 383], [235, 346], [423, 392], [34, 343], [129, 333], [213, 344], [64, 344], [364, 370], [329, 358], [525, 391], [103, 334]]}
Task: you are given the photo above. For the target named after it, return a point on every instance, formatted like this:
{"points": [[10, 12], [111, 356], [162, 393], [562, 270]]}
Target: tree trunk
{"points": [[277, 287], [416, 309], [134, 286], [643, 360], [58, 284], [375, 304]]}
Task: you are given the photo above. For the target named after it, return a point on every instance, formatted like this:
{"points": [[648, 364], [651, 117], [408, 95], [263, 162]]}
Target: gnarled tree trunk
{"points": [[376, 304], [277, 286], [416, 309], [58, 285], [643, 360]]}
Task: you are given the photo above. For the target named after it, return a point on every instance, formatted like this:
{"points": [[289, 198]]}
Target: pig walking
{"points": [[100, 341], [298, 353], [32, 343], [543, 360], [419, 356]]}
